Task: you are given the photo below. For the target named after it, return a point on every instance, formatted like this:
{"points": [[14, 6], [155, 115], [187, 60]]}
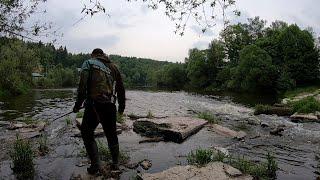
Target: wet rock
{"points": [[215, 170], [175, 129], [145, 164], [264, 124], [135, 117], [278, 131], [228, 132], [311, 117], [132, 165], [14, 126], [270, 110], [4, 123], [222, 150], [253, 121], [150, 140], [231, 171], [85, 176]]}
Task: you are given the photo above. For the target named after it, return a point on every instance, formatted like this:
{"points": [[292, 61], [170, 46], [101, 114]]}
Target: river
{"points": [[296, 151]]}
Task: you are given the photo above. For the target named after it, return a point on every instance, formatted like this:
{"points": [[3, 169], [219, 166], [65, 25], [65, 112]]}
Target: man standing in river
{"points": [[100, 84]]}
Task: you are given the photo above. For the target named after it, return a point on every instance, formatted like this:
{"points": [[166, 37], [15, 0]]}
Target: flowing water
{"points": [[296, 151]]}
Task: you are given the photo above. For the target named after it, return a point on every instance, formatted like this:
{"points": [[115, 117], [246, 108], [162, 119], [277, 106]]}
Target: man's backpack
{"points": [[100, 83]]}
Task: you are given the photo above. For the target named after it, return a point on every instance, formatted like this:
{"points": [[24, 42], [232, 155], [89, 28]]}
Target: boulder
{"points": [[311, 117], [146, 164], [175, 129], [278, 130], [228, 132], [215, 170], [231, 171]]}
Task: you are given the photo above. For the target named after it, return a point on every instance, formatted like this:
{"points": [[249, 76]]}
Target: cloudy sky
{"points": [[135, 30]]}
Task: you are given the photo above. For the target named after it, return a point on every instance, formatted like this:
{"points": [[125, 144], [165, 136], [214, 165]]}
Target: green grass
{"points": [[306, 105], [200, 157], [68, 121], [29, 120], [208, 117], [150, 115], [241, 126], [43, 147], [300, 90], [263, 170], [120, 118], [22, 158], [261, 109], [80, 114]]}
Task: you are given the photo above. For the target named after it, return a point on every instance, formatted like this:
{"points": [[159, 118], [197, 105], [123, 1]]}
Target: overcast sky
{"points": [[135, 30]]}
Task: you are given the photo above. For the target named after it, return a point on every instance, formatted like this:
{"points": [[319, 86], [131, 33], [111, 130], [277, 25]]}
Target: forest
{"points": [[246, 57]]}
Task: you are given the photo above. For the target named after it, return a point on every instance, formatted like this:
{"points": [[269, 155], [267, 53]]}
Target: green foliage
{"points": [[255, 71], [306, 105], [200, 157], [208, 116], [300, 90], [80, 114], [43, 147], [16, 64], [261, 109], [29, 120], [197, 69], [263, 170], [68, 121], [22, 158], [171, 76], [120, 118], [150, 115]]}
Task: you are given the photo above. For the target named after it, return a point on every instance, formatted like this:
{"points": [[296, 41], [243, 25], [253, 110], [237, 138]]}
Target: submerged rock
{"points": [[215, 170], [228, 132], [175, 129], [146, 164], [278, 131]]}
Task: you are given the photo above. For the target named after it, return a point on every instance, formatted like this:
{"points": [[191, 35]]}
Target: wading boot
{"points": [[115, 157], [92, 151]]}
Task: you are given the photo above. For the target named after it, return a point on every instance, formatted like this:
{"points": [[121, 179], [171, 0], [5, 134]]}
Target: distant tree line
{"points": [[251, 57], [246, 57]]}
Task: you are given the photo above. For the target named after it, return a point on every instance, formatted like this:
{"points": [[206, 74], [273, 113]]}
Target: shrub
{"points": [[80, 114], [68, 121], [200, 157], [306, 105], [120, 118], [43, 145], [150, 115], [261, 109], [263, 170], [22, 158], [208, 116]]}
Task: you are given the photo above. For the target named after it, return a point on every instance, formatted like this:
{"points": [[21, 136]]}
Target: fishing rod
{"points": [[62, 116]]}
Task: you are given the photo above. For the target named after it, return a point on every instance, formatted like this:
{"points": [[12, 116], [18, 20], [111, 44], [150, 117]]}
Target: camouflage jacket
{"points": [[119, 88]]}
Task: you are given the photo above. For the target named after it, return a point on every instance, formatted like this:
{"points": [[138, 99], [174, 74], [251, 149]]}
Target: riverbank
{"points": [[295, 150]]}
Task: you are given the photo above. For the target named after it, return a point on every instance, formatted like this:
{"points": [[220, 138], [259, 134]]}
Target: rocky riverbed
{"points": [[295, 145]]}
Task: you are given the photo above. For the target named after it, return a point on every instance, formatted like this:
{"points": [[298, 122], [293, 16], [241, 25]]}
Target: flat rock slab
{"points": [[215, 170], [175, 129], [296, 117], [227, 132]]}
